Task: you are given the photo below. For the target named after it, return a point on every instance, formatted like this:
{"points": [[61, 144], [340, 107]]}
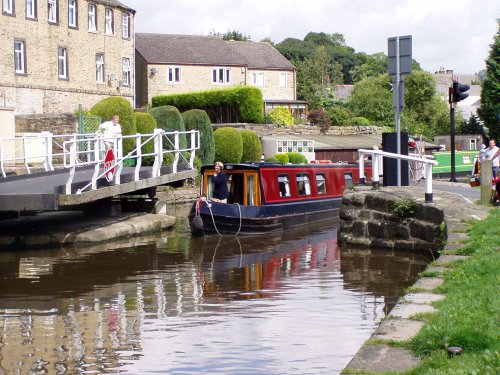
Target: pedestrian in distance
{"points": [[493, 154], [220, 184], [110, 130]]}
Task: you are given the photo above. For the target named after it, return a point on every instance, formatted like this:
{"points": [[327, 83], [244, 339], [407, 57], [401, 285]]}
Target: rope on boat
{"points": [[198, 222]]}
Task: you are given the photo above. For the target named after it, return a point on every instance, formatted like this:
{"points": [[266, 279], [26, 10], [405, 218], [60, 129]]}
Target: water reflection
{"points": [[284, 304]]}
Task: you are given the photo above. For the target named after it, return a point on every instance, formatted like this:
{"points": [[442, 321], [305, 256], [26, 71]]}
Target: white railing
{"points": [[84, 150], [378, 155]]}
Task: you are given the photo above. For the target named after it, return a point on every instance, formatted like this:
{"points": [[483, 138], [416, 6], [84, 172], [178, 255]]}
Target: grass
{"points": [[469, 317]]}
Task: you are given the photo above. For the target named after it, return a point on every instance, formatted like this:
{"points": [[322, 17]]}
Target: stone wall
{"points": [[268, 129], [367, 219], [64, 123]]}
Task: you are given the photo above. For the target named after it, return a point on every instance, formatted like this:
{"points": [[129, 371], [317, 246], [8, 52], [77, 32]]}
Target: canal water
{"points": [[293, 303]]}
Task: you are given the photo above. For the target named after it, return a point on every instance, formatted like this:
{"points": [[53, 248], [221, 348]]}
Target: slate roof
{"points": [[115, 3], [208, 50]]}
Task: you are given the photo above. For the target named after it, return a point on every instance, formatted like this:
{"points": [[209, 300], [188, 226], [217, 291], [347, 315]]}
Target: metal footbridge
{"points": [[47, 172]]}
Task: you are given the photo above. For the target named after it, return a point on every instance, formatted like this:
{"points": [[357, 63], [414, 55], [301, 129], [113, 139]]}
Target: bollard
{"points": [[486, 177]]}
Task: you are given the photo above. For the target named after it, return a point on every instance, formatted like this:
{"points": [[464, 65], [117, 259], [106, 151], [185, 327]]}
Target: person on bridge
{"points": [[220, 184], [493, 154], [110, 129]]}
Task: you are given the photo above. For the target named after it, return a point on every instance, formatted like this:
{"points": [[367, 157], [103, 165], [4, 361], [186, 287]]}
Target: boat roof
{"points": [[259, 165]]}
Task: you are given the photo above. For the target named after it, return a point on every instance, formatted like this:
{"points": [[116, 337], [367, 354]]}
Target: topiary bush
{"points": [[280, 116], [338, 115], [319, 118], [197, 119], [146, 124], [169, 119], [272, 159], [282, 158], [252, 148], [228, 145], [116, 105], [297, 158], [360, 121]]}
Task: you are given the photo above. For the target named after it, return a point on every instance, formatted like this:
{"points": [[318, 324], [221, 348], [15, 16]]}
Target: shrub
{"points": [[252, 149], [228, 145], [320, 118], [169, 119], [360, 121], [280, 116], [272, 159], [197, 119], [146, 124], [296, 158], [240, 104], [282, 158], [338, 115], [116, 105]]}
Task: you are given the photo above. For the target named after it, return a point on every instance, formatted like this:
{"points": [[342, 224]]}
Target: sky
{"points": [[454, 34]]}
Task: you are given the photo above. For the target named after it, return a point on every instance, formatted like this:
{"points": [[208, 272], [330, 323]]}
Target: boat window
{"points": [[284, 185], [210, 186], [235, 182], [303, 185], [321, 183], [250, 190]]}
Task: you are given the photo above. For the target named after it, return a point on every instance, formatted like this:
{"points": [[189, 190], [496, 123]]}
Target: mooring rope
{"points": [[213, 219]]}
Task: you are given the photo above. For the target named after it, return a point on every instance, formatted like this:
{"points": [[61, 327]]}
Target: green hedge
{"points": [[197, 119], [169, 119], [228, 145], [116, 105], [360, 121], [240, 104], [282, 158], [146, 124], [280, 116], [252, 149], [297, 158]]}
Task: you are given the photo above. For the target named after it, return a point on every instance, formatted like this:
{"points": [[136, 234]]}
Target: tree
{"points": [[374, 66], [489, 111], [231, 35], [474, 126], [372, 98]]}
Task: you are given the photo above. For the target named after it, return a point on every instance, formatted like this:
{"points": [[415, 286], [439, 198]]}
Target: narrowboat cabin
{"points": [[270, 197]]}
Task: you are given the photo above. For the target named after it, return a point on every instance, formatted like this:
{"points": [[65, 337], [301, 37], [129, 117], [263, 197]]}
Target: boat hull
{"points": [[226, 218]]}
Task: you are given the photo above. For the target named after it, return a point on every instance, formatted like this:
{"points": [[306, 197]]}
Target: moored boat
{"points": [[270, 197]]}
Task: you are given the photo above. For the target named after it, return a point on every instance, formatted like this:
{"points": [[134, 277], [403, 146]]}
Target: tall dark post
{"points": [[456, 93], [452, 121]]}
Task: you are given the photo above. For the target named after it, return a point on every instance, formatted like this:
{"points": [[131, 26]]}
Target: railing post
{"points": [[72, 165], [428, 182], [118, 159], [361, 168], [176, 156], [24, 155], [138, 160], [193, 147], [158, 142], [97, 155], [1, 158], [47, 163], [375, 171]]}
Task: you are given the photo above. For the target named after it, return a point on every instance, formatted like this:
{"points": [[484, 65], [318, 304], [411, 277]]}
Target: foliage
{"points": [[282, 158], [240, 104], [272, 159], [320, 118], [404, 208], [169, 119], [228, 145], [489, 111], [231, 35], [338, 115], [372, 98], [197, 119], [468, 316], [474, 126], [360, 121], [146, 124], [252, 148], [374, 66], [296, 158], [280, 116], [116, 105]]}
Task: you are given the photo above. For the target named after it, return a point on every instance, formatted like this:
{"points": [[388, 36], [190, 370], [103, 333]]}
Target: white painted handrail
{"points": [[377, 155]]}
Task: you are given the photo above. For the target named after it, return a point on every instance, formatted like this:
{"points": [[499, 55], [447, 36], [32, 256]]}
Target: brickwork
{"points": [[41, 90], [63, 123]]}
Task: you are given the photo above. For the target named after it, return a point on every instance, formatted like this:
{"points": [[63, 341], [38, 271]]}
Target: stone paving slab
{"points": [[422, 298], [378, 358], [397, 329], [446, 259], [428, 283], [435, 269], [407, 310]]}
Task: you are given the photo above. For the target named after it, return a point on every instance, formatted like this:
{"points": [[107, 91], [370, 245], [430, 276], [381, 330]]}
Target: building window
{"points": [[321, 183], [99, 68], [283, 79], [258, 79], [53, 11], [31, 9], [72, 13], [125, 26], [221, 76], [8, 7], [174, 74], [20, 57], [303, 184], [126, 71], [284, 185], [92, 17], [110, 22], [62, 66]]}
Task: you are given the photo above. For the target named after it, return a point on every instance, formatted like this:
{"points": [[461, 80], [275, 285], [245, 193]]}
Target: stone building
{"points": [[172, 64], [57, 54]]}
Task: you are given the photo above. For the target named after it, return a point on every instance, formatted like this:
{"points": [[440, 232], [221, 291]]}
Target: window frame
{"points": [[255, 79], [109, 22], [92, 17], [171, 72], [55, 7], [33, 8], [22, 53], [305, 178], [10, 9], [221, 72], [73, 10], [62, 70], [284, 178], [320, 183], [125, 25], [100, 68], [126, 75], [283, 82]]}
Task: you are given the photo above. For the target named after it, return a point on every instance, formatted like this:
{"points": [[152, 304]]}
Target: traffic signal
{"points": [[459, 91]]}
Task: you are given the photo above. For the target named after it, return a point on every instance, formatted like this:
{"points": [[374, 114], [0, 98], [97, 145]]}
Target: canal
{"points": [[293, 303]]}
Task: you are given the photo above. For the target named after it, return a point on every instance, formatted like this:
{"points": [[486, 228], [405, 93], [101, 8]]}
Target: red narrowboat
{"points": [[270, 197]]}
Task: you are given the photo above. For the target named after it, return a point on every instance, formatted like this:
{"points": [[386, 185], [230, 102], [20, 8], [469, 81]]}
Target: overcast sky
{"points": [[454, 34]]}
